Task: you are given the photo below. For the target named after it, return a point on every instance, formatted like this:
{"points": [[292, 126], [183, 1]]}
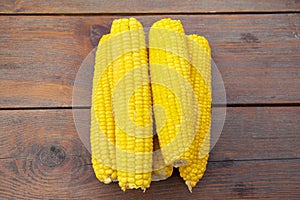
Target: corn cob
{"points": [[167, 41], [134, 148], [102, 134], [201, 80]]}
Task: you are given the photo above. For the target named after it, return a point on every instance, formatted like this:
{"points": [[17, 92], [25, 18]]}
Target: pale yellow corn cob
{"points": [[197, 155], [134, 153], [175, 115], [102, 145]]}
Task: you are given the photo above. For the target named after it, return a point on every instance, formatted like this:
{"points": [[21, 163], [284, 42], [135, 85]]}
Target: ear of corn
{"points": [[200, 78], [102, 132], [193, 56], [134, 145], [167, 41]]}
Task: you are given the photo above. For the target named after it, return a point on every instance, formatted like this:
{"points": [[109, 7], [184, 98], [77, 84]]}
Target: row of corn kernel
{"points": [[102, 122], [193, 161], [131, 159], [134, 159], [201, 81], [175, 116]]}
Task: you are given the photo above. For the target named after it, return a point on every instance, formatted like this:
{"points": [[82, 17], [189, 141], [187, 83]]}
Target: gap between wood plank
{"points": [[250, 58], [148, 14], [212, 161], [217, 105]]}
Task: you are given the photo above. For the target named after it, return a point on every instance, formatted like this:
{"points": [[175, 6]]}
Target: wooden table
{"points": [[256, 45]]}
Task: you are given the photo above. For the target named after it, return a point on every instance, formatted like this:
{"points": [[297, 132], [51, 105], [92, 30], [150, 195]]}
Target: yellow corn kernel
{"points": [[197, 155], [165, 48], [103, 153], [134, 147]]}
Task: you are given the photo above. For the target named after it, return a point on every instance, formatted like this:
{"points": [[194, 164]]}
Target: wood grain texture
{"points": [[249, 133], [43, 158], [257, 55], [154, 6], [255, 45], [75, 179]]}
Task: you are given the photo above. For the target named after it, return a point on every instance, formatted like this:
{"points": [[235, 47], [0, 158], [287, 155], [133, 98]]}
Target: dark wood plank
{"points": [[75, 179], [155, 6], [249, 133], [35, 130], [258, 56], [259, 133], [42, 157]]}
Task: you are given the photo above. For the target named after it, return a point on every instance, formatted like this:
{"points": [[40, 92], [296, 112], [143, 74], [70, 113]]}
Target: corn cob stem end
{"points": [[190, 185], [133, 187]]}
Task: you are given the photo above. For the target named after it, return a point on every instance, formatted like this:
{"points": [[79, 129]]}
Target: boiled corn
{"points": [[197, 155], [121, 149], [164, 44], [134, 149]]}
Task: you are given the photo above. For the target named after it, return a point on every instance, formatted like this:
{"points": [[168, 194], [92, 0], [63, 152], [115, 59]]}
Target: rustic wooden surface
{"points": [[268, 131], [256, 45], [154, 6], [258, 55], [257, 153]]}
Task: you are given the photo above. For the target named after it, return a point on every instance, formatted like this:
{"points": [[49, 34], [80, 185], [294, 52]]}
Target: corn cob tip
{"points": [[124, 188], [124, 24], [202, 41], [168, 23], [134, 23], [190, 185], [107, 181]]}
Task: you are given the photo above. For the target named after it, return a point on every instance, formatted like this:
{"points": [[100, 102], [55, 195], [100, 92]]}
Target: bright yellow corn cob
{"points": [[197, 155], [102, 145], [195, 158], [134, 148], [164, 50]]}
